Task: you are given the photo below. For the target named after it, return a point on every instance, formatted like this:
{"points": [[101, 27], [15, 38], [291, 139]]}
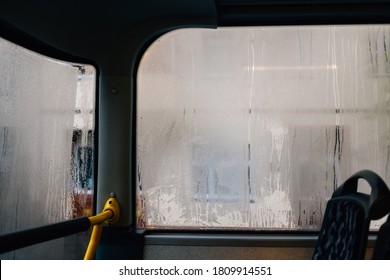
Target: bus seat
{"points": [[345, 227]]}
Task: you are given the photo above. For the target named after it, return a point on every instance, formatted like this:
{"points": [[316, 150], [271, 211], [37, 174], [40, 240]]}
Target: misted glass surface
{"points": [[46, 147], [254, 128]]}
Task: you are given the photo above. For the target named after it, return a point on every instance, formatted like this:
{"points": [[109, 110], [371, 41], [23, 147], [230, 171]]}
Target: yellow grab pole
{"points": [[109, 215], [100, 218], [93, 242]]}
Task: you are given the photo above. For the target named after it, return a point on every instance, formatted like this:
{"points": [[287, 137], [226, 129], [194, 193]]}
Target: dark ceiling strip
{"points": [[23, 39], [263, 15]]}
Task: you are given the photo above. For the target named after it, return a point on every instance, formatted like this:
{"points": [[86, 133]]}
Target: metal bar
{"points": [[236, 240], [17, 240]]}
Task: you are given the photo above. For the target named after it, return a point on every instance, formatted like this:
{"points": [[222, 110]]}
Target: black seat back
{"points": [[344, 231]]}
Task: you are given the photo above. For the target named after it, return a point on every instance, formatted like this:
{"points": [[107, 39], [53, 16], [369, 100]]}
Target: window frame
{"points": [[235, 13], [24, 40]]}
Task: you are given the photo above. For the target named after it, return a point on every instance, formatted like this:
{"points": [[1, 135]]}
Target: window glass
{"points": [[46, 147], [254, 128]]}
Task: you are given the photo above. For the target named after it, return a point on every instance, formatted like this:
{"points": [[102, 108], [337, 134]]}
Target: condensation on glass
{"points": [[254, 128], [46, 147]]}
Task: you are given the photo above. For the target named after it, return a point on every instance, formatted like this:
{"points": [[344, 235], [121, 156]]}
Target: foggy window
{"points": [[254, 128], [46, 147]]}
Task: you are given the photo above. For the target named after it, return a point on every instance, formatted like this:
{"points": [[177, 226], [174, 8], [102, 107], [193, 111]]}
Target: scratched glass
{"points": [[254, 128], [46, 144]]}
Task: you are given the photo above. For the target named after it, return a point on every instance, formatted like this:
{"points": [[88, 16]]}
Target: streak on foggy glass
{"points": [[254, 128], [44, 175]]}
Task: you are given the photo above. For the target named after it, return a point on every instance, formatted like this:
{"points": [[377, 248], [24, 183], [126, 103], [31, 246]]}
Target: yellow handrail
{"points": [[93, 242], [100, 218], [109, 215]]}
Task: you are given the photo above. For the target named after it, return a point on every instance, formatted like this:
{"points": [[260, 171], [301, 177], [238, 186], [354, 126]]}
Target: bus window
{"points": [[47, 110], [254, 128]]}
